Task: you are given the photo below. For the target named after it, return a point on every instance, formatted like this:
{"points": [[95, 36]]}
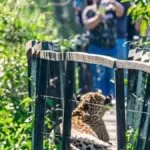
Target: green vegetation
{"points": [[140, 9], [21, 21], [131, 138]]}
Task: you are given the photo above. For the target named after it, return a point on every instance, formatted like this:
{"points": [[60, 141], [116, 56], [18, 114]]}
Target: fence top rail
{"points": [[78, 57], [39, 51], [91, 58], [135, 65]]}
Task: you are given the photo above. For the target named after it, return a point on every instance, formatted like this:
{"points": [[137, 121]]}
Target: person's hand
{"points": [[118, 7], [100, 15], [112, 4]]}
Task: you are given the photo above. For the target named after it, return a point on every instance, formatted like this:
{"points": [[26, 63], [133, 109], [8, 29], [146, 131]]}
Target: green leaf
{"points": [[143, 27]]}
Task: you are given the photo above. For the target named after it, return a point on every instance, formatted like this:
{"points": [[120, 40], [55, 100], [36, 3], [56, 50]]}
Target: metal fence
{"points": [[52, 77]]}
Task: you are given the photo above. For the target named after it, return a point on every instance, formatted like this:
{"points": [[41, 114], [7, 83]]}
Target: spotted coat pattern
{"points": [[88, 129]]}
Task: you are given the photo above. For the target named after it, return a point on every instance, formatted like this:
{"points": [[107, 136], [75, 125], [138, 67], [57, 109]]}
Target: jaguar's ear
{"points": [[78, 97], [99, 91], [108, 99]]}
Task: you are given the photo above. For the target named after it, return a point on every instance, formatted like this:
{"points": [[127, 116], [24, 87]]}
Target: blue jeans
{"points": [[78, 4], [102, 76], [122, 50]]}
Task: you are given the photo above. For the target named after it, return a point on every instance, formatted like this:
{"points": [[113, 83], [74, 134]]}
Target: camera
{"points": [[102, 7]]}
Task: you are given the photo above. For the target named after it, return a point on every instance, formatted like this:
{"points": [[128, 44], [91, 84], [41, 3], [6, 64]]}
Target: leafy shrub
{"points": [[140, 9], [131, 138], [20, 21]]}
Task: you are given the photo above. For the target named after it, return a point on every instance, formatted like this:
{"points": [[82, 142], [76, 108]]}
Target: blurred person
{"points": [[99, 17], [123, 25], [78, 6], [122, 32]]}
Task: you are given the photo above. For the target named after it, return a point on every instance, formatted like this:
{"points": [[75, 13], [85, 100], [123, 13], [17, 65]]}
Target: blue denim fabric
{"points": [[122, 50], [102, 76], [78, 3]]}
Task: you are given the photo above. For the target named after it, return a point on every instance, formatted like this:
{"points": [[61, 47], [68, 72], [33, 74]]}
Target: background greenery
{"points": [[20, 21], [140, 9]]}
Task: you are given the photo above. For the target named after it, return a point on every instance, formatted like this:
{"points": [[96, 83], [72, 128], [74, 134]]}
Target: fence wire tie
{"points": [[52, 97], [56, 109], [133, 94], [52, 81], [140, 99], [52, 111], [148, 103]]}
